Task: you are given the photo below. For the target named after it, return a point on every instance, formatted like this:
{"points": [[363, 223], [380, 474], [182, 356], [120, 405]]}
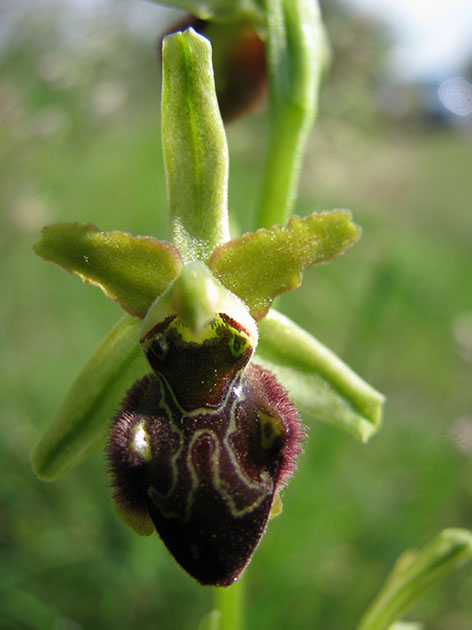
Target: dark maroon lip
{"points": [[210, 481]]}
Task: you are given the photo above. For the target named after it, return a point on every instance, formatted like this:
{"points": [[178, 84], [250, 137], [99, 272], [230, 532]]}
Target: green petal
{"points": [[414, 572], [261, 265], [82, 423], [319, 383], [131, 270], [195, 149]]}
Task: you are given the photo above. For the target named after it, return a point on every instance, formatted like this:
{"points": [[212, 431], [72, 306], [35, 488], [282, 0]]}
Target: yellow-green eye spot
{"points": [[272, 430], [238, 344], [191, 336]]}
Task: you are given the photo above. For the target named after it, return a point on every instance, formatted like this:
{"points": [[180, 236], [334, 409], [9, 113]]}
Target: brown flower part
{"points": [[205, 473]]}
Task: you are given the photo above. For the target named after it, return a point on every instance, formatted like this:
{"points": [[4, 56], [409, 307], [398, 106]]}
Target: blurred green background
{"points": [[80, 141]]}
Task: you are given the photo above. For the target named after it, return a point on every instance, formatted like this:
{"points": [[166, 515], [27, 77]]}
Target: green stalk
{"points": [[230, 602], [295, 54]]}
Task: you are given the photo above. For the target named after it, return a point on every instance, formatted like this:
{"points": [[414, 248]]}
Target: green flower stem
{"points": [[320, 384], [295, 54], [194, 146], [415, 572], [230, 602], [81, 425]]}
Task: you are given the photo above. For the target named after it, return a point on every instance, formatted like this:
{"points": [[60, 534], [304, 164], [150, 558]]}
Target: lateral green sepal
{"points": [[415, 571], [82, 423], [261, 265], [319, 383], [130, 270]]}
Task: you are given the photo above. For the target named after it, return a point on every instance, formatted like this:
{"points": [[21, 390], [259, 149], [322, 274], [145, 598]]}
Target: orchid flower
{"points": [[212, 380]]}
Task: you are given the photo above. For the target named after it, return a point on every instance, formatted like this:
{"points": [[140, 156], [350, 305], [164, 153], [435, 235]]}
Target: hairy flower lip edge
{"points": [[137, 517]]}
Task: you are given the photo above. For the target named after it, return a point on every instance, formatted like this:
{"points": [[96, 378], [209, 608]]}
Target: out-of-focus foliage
{"points": [[81, 141]]}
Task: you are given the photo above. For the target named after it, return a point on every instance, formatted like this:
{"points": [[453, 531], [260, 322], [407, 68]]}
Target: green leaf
{"points": [[83, 421], [414, 572], [319, 383], [261, 265], [194, 144], [131, 270]]}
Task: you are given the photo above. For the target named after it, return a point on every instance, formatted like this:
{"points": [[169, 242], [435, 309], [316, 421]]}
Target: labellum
{"points": [[202, 446]]}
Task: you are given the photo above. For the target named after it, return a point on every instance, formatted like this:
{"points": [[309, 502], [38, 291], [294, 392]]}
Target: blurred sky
{"points": [[431, 39]]}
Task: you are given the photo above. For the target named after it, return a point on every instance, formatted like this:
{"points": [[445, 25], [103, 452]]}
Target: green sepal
{"points": [[414, 572], [81, 426], [194, 146], [131, 270], [261, 265], [319, 383]]}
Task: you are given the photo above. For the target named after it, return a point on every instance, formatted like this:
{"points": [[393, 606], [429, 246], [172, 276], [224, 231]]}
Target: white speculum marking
{"points": [[140, 442]]}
